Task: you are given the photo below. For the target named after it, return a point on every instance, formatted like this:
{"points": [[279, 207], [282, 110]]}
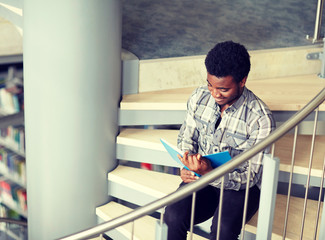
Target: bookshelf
{"points": [[13, 196]]}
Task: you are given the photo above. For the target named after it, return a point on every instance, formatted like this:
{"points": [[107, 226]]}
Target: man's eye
{"points": [[224, 90]]}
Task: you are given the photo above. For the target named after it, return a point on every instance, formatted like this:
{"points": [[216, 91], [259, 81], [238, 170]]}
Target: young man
{"points": [[222, 116]]}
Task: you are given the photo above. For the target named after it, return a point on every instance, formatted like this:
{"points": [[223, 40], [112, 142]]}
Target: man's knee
{"points": [[171, 216]]}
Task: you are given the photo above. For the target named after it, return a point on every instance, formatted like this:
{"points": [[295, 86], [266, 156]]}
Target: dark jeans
{"points": [[177, 216]]}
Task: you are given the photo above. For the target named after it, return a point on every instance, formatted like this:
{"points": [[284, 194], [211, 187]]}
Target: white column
{"points": [[72, 65]]}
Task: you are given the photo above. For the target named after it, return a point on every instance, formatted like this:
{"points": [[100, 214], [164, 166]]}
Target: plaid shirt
{"points": [[243, 124]]}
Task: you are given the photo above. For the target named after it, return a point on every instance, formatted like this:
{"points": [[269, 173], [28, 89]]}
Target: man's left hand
{"points": [[196, 163]]}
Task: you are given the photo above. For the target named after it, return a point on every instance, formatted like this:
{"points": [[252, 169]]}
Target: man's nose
{"points": [[216, 92]]}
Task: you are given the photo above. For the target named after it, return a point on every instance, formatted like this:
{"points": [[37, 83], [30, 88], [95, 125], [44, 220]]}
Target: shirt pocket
{"points": [[201, 126], [235, 140]]}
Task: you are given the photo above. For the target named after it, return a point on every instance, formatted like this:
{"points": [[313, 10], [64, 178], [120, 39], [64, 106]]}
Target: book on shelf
{"points": [[13, 137], [9, 102], [11, 92], [12, 166], [216, 159], [13, 196]]}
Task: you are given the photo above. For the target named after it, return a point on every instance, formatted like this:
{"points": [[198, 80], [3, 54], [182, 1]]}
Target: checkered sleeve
{"points": [[188, 136]]}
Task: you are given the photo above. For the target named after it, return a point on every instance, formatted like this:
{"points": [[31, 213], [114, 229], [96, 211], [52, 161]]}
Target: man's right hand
{"points": [[188, 176]]}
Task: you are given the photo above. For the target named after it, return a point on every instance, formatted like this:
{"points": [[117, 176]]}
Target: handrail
{"points": [[13, 221], [206, 179]]}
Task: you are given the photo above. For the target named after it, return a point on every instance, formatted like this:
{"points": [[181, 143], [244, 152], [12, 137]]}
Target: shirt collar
{"points": [[239, 101]]}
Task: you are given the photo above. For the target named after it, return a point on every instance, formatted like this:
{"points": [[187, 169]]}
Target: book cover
{"points": [[216, 159]]}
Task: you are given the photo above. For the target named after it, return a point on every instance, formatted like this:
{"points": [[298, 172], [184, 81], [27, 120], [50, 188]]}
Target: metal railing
{"points": [[13, 228], [13, 221], [206, 179], [318, 21]]}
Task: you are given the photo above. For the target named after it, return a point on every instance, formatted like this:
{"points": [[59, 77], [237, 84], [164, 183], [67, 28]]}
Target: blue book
{"points": [[216, 159]]}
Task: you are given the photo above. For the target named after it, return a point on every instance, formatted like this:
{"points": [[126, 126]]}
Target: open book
{"points": [[216, 159]]}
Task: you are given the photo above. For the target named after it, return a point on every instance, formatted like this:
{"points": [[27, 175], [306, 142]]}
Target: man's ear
{"points": [[243, 82]]}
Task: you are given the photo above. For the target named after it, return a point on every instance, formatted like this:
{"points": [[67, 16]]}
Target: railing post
{"points": [[322, 222], [161, 227], [161, 230], [318, 21], [322, 226], [192, 215], [220, 206], [268, 197]]}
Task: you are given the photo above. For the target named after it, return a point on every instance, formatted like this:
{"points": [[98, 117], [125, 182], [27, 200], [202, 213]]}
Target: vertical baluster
{"points": [[318, 20], [246, 200], [309, 173], [322, 225], [132, 230], [192, 215], [7, 230], [23, 233], [162, 216], [319, 199], [290, 181], [267, 199], [272, 150], [220, 206], [161, 227]]}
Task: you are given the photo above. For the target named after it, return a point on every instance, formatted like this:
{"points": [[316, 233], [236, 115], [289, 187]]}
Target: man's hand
{"points": [[196, 163], [188, 176]]}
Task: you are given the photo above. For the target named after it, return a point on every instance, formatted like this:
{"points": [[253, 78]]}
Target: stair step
{"points": [[173, 99], [144, 228], [143, 185], [294, 218], [158, 185], [283, 150], [280, 94], [133, 144], [149, 139]]}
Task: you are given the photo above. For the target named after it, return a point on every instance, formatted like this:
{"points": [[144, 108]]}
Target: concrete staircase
{"points": [[283, 78]]}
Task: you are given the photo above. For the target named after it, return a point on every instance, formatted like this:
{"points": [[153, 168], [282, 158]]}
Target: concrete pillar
{"points": [[72, 67]]}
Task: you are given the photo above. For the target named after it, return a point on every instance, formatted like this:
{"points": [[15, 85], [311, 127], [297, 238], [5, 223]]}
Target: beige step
{"points": [[149, 138], [148, 185], [283, 150], [144, 228], [280, 94], [151, 183], [294, 218]]}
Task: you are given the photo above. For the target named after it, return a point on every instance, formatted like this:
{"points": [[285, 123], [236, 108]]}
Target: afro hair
{"points": [[228, 59]]}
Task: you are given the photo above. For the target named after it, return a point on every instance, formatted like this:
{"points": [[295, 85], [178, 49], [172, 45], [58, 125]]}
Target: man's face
{"points": [[225, 90]]}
